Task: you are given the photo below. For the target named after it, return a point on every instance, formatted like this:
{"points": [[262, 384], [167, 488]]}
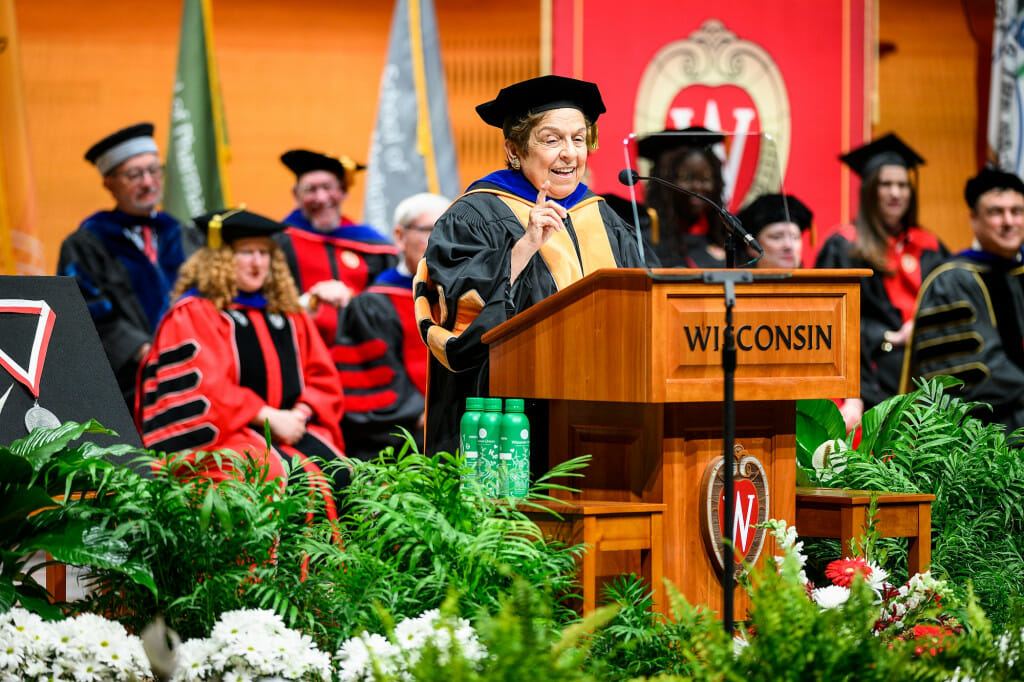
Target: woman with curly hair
{"points": [[235, 353]]}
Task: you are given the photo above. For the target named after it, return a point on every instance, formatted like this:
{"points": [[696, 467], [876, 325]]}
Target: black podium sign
{"points": [[51, 357]]}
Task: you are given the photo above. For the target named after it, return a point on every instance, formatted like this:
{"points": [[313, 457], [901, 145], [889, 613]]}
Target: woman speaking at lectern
{"points": [[514, 238]]}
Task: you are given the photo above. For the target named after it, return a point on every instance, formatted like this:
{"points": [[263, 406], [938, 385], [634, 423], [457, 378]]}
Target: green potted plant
{"points": [[44, 478]]}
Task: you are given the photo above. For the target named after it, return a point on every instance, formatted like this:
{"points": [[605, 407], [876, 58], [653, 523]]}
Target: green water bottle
{"points": [[468, 440], [488, 443], [515, 448]]}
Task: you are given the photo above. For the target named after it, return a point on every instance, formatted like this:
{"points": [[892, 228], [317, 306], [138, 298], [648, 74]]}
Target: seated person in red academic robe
{"points": [[234, 352], [331, 258]]}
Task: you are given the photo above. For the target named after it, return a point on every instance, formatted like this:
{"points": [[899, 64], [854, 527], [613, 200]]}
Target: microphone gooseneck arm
{"points": [[629, 177]]}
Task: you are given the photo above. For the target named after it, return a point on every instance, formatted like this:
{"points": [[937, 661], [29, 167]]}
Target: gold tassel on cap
{"points": [[213, 239], [350, 167], [213, 236]]}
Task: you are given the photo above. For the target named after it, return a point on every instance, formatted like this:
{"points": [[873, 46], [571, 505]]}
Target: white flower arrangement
{"points": [[87, 648], [786, 538], [830, 596], [250, 644], [370, 657]]}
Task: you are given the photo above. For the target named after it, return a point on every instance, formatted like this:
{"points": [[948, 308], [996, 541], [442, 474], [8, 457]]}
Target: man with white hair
{"points": [[379, 354], [126, 260]]}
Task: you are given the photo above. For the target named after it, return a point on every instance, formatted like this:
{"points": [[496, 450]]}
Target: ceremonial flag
{"points": [[1005, 134], [412, 149], [197, 150], [21, 252]]}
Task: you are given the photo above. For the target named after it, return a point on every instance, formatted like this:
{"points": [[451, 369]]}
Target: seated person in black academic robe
{"points": [[126, 260], [884, 237], [970, 314], [379, 354], [514, 238], [686, 231], [777, 221]]}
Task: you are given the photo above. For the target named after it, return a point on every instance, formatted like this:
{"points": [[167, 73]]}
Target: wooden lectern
{"points": [[631, 363]]}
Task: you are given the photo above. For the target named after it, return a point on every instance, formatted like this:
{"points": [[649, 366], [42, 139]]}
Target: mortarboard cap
{"points": [[542, 94], [885, 151], [116, 148], [229, 225], [652, 146], [771, 208], [302, 161], [988, 179]]}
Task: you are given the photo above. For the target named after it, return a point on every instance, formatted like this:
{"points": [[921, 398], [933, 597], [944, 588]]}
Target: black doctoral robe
{"points": [[970, 325], [886, 301], [383, 366], [463, 286], [126, 294]]}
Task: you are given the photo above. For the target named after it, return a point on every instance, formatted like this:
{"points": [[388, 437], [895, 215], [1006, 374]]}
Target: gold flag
{"points": [[21, 252]]}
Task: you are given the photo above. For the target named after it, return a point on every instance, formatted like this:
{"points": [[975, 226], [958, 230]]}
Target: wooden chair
{"points": [[843, 514], [607, 526]]}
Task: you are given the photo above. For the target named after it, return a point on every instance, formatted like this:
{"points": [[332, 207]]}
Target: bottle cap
{"points": [[514, 405], [475, 404], [492, 404]]}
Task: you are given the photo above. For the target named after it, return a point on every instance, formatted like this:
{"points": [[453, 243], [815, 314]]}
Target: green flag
{"points": [[197, 150]]}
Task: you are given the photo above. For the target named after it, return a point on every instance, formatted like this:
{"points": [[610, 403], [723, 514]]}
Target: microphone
{"points": [[629, 177]]}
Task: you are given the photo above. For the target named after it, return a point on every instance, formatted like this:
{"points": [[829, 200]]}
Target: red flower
{"points": [[842, 571], [928, 631]]}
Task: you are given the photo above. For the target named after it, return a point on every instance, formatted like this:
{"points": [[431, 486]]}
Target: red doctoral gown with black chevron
{"points": [[353, 254], [383, 366], [210, 372]]}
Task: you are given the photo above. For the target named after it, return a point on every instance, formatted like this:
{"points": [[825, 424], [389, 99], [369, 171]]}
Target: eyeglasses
{"points": [[310, 190], [135, 175], [420, 228]]}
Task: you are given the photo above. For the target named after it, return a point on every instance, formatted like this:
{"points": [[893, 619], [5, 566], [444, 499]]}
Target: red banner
{"points": [[795, 69]]}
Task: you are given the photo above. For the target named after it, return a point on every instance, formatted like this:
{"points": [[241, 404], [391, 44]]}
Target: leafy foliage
{"points": [[180, 546], [640, 642], [43, 480], [210, 547], [412, 538], [927, 441], [412, 532]]}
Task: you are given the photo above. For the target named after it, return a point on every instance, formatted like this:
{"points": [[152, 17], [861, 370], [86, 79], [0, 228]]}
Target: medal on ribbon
{"points": [[37, 416]]}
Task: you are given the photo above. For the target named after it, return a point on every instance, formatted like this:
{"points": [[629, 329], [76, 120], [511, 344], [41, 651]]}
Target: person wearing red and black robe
{"points": [[379, 354], [514, 238], [236, 352], [686, 232], [886, 239], [331, 258]]}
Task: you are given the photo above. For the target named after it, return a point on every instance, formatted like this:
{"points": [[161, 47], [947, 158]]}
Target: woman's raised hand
{"points": [[546, 218]]}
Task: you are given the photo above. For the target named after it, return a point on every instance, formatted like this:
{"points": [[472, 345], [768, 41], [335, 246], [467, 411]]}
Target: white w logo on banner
{"points": [[683, 117], [743, 520]]}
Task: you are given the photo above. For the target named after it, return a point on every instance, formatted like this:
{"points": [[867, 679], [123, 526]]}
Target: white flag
{"points": [[1005, 136], [412, 149]]}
